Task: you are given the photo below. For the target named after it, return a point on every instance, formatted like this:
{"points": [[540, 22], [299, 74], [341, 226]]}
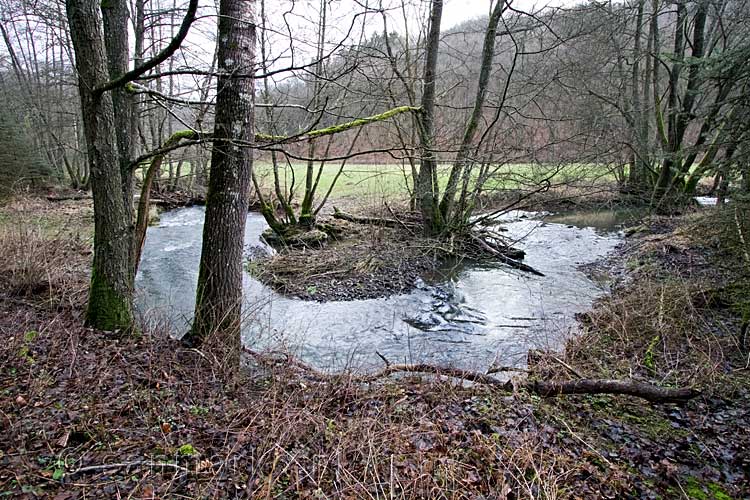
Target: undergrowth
{"points": [[89, 414]]}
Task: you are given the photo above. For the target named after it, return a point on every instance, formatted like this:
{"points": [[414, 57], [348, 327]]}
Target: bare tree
{"points": [[219, 296], [110, 305]]}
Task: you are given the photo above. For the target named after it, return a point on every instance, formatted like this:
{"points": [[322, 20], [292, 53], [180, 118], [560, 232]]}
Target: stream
{"points": [[469, 316]]}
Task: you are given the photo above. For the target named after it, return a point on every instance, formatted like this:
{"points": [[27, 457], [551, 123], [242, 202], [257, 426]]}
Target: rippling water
{"points": [[469, 316]]}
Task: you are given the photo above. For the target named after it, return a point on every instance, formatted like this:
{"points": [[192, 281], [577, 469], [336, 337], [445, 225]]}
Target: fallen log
{"points": [[69, 197], [629, 387]]}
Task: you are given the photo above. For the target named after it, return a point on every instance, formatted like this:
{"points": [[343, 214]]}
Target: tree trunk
{"points": [[306, 217], [462, 162], [115, 17], [219, 296], [635, 176], [665, 174], [427, 187], [110, 304]]}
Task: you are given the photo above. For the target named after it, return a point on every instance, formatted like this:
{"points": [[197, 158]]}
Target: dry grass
{"points": [[659, 330], [79, 403], [45, 267], [89, 414], [675, 319]]}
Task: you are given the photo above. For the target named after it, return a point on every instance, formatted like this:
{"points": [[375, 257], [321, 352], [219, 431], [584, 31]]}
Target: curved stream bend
{"points": [[475, 316]]}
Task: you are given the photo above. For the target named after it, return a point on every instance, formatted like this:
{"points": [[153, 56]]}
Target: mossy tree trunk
{"points": [[115, 17], [99, 32], [110, 304], [219, 296]]}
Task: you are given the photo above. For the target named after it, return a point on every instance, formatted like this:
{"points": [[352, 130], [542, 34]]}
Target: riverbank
{"points": [[84, 413], [371, 260]]}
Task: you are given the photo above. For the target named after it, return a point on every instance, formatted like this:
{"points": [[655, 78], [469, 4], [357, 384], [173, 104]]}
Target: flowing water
{"points": [[468, 316]]}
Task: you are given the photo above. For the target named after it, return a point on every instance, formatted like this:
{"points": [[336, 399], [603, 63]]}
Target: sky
{"points": [[457, 11], [299, 18]]}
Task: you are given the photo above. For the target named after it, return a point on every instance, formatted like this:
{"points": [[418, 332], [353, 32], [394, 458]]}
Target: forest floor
{"points": [[89, 414]]}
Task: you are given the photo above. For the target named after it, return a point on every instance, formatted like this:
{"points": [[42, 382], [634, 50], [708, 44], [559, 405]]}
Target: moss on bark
{"points": [[108, 309]]}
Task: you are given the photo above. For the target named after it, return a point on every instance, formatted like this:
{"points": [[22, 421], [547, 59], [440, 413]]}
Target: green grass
{"points": [[356, 180], [390, 180]]}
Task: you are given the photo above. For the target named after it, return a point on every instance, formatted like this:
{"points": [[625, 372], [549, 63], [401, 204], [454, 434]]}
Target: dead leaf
{"points": [[63, 441]]}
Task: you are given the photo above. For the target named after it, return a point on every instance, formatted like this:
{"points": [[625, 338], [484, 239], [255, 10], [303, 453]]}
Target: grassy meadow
{"points": [[391, 180]]}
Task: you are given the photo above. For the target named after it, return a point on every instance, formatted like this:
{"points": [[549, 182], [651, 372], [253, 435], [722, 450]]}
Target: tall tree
{"points": [[102, 68], [219, 295], [427, 187], [110, 304]]}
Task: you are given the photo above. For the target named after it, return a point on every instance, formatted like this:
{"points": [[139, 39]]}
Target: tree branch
{"points": [[159, 58]]}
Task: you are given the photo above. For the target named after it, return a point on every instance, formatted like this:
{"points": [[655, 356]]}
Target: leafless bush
{"points": [[39, 265]]}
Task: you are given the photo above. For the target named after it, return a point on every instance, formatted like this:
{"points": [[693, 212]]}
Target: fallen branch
{"points": [[605, 386], [371, 221], [69, 197], [505, 259], [628, 387], [471, 376]]}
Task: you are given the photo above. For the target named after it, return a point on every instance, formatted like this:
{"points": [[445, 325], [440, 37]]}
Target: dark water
{"points": [[604, 221], [468, 317]]}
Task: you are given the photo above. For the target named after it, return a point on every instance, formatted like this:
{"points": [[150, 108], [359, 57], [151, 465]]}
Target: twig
{"points": [[579, 438], [96, 468], [385, 360], [572, 370], [397, 219], [742, 236]]}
